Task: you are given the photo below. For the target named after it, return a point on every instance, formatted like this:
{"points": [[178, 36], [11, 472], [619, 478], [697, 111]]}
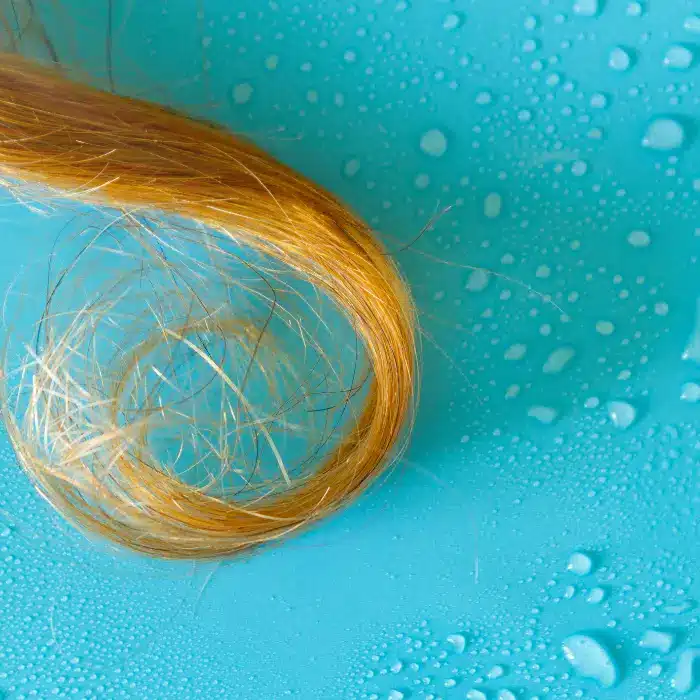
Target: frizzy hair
{"points": [[103, 149]]}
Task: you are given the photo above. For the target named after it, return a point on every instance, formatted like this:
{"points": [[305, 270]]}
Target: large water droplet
{"points": [[620, 59], [664, 135], [492, 205], [605, 327], [484, 98], [587, 8], [458, 641], [622, 414], [580, 564], [505, 694], [591, 659], [692, 347], [475, 694], [433, 143], [579, 168], [692, 24], [559, 359], [639, 239], [678, 57], [599, 100], [495, 672], [596, 596], [478, 281], [687, 672], [544, 414], [395, 695], [351, 167], [657, 640], [690, 392]]}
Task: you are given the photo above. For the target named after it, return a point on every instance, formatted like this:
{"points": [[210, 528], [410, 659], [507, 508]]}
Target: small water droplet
{"points": [[524, 115], [605, 327], [478, 281], [579, 168], [596, 596], [505, 694], [492, 205], [580, 564], [395, 695], [515, 352], [679, 608], [422, 181], [635, 9], [620, 59], [639, 239], [592, 402], [599, 100], [687, 672], [655, 670], [622, 414], [497, 671], [530, 45], [544, 414], [591, 659], [351, 167], [558, 360], [242, 93], [678, 57], [396, 667], [433, 143], [530, 23], [484, 98], [664, 135], [458, 642], [657, 640], [271, 62], [587, 8], [450, 683], [475, 694], [452, 21]]}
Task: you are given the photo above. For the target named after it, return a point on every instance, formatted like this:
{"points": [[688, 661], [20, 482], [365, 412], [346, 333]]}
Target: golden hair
{"points": [[95, 147]]}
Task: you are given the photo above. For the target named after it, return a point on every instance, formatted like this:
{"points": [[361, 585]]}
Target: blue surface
{"points": [[468, 541]]}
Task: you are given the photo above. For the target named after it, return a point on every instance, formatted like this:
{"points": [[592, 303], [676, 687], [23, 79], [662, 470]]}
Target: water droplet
{"points": [[679, 608], [475, 694], [558, 360], [484, 98], [678, 57], [352, 167], [661, 308], [591, 659], [657, 640], [599, 100], [512, 391], [580, 564], [350, 56], [587, 8], [450, 683], [492, 205], [271, 62], [592, 402], [639, 239], [622, 414], [692, 24], [543, 271], [515, 352], [687, 672], [530, 45], [635, 9], [579, 168], [530, 23], [596, 596], [453, 21], [458, 642], [524, 115], [620, 59], [692, 347], [422, 181], [433, 143], [242, 93], [664, 135], [543, 414], [395, 695], [655, 670], [605, 327], [396, 667], [478, 281], [497, 671], [505, 694]]}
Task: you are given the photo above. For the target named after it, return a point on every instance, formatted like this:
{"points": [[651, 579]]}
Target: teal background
{"points": [[471, 533]]}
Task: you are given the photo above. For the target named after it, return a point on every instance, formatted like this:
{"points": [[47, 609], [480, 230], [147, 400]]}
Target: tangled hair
{"points": [[82, 423]]}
